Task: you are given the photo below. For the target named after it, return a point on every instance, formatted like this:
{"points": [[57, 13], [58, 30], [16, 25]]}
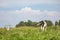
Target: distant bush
{"points": [[34, 24], [28, 23]]}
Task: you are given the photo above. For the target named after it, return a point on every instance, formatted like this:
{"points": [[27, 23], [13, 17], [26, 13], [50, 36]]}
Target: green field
{"points": [[30, 33]]}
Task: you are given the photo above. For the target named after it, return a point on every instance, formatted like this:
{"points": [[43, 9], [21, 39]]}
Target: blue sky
{"points": [[14, 11]]}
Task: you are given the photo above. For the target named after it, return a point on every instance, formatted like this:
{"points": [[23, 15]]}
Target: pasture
{"points": [[30, 33]]}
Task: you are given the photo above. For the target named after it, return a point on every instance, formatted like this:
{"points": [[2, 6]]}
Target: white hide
{"points": [[45, 24]]}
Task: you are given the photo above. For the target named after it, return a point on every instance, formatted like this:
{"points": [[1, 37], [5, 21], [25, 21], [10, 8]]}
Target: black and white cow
{"points": [[43, 25]]}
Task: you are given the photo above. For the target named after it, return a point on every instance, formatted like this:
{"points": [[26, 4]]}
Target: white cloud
{"points": [[52, 13], [28, 11]]}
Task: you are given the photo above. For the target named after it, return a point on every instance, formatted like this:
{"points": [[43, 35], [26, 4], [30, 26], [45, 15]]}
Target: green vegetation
{"points": [[30, 33], [34, 24], [31, 23]]}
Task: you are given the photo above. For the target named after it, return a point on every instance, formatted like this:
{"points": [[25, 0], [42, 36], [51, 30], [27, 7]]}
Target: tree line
{"points": [[34, 24]]}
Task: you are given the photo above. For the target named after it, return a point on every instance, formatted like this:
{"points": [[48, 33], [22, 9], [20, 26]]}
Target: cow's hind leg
{"points": [[42, 28], [45, 28]]}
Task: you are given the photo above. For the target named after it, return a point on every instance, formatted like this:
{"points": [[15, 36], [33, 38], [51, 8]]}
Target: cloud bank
{"points": [[30, 11]]}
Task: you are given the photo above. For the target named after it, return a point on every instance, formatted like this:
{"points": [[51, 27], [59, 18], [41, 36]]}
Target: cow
{"points": [[43, 25]]}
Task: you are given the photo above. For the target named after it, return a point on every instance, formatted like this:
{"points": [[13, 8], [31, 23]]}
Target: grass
{"points": [[30, 33]]}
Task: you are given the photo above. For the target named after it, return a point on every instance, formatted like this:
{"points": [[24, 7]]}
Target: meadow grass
{"points": [[30, 33]]}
